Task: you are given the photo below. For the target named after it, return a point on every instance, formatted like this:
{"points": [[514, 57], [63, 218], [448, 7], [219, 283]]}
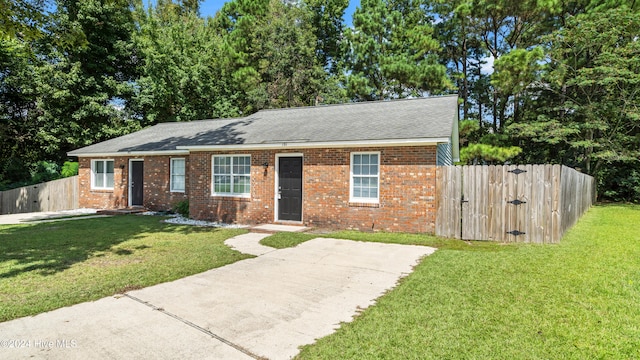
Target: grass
{"points": [[579, 299], [283, 240], [51, 265]]}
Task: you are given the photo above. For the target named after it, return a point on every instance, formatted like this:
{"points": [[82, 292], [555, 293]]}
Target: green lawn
{"points": [[51, 265], [579, 299], [576, 300]]}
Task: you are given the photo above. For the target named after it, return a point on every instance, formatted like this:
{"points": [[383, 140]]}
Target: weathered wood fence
{"points": [[515, 203], [54, 195]]}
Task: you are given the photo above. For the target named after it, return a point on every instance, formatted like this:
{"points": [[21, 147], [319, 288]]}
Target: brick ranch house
{"points": [[365, 166]]}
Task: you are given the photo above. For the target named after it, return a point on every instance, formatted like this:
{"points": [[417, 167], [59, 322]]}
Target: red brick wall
{"points": [[102, 199], [254, 210], [407, 190], [157, 177], [156, 194]]}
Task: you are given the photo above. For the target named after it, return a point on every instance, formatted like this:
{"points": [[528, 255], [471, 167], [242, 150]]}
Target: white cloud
{"points": [[487, 66]]}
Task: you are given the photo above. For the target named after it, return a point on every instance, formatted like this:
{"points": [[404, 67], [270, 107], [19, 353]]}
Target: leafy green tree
{"points": [[86, 81], [237, 24], [272, 54], [69, 168], [182, 73], [587, 107], [170, 9], [392, 52], [484, 153], [290, 71], [21, 18], [19, 127], [327, 25], [460, 45], [514, 73], [16, 62], [21, 23]]}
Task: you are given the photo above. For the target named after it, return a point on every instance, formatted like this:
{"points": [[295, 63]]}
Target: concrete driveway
{"points": [[264, 307]]}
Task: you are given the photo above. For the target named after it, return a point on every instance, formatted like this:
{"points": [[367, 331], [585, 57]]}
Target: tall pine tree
{"points": [[392, 53]]}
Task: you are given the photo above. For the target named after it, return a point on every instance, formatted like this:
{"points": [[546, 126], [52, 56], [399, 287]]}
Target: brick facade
{"points": [[156, 195], [407, 188]]}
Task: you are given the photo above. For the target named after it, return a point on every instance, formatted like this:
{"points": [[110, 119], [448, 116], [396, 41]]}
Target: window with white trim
{"points": [[365, 176], [177, 175], [232, 175], [102, 174]]}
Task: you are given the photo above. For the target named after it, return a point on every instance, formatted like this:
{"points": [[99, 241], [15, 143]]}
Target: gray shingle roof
{"points": [[423, 118]]}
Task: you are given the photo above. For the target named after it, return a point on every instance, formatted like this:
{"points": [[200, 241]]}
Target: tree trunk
{"points": [[587, 153], [465, 81], [503, 106], [495, 91], [495, 110], [516, 107], [479, 98]]}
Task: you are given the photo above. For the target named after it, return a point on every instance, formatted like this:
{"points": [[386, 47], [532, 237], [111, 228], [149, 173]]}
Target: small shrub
{"points": [[69, 168], [182, 208]]}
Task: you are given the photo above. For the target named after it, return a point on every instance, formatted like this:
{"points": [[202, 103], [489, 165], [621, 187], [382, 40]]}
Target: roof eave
{"points": [[129, 153], [319, 144]]}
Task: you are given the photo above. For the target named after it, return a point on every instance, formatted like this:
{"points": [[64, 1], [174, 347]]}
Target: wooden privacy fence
{"points": [[54, 195], [511, 203]]}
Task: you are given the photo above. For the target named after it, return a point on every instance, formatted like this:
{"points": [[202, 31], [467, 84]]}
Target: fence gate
{"points": [[515, 203], [506, 203]]}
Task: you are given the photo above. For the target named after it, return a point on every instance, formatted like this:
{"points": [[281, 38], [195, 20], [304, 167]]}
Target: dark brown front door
{"points": [[290, 189], [137, 171]]}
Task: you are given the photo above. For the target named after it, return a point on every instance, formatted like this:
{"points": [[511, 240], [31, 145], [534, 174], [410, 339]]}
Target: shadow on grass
{"points": [[627, 205], [49, 248], [283, 240], [425, 240]]}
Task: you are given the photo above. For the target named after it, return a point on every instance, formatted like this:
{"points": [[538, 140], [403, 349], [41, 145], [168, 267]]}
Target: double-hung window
{"points": [[102, 174], [177, 175], [365, 177], [232, 175]]}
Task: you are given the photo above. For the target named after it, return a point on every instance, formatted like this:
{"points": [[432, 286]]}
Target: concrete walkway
{"points": [[264, 307], [249, 244], [279, 227]]}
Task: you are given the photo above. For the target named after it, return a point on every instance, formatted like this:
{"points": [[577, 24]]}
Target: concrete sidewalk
{"points": [[249, 243], [265, 307]]}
